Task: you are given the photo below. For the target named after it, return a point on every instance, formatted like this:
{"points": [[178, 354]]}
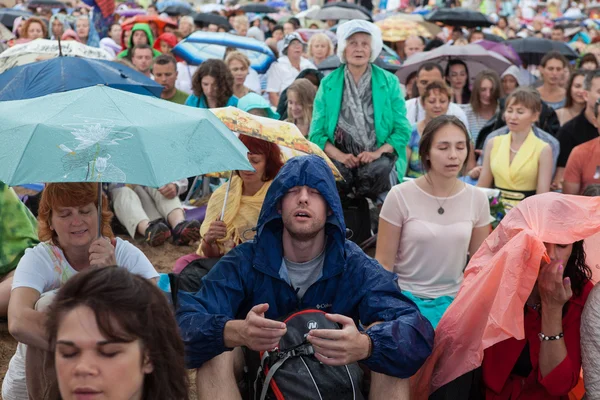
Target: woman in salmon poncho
{"points": [[518, 312]]}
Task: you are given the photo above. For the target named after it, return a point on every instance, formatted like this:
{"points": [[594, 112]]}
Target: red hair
{"points": [[70, 195], [271, 151]]}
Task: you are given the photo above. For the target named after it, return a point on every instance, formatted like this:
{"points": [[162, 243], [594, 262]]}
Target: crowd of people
{"points": [[480, 188]]}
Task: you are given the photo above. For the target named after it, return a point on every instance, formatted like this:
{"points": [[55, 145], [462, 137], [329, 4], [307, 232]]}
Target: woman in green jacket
{"points": [[359, 116]]}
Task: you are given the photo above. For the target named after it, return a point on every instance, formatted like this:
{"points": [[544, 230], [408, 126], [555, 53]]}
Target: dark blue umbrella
{"points": [[62, 74]]}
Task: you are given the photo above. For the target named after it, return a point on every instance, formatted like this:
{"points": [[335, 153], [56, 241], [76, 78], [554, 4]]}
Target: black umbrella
{"points": [[8, 16], [33, 4], [341, 10], [210, 18], [178, 9], [459, 17], [532, 49], [493, 38], [258, 8]]}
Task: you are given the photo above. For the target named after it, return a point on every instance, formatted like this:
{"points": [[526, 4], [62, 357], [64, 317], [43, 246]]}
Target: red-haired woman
{"points": [[68, 227], [246, 195]]}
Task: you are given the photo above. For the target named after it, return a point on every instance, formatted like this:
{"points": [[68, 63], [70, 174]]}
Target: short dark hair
{"points": [[558, 28], [139, 47], [430, 66], [127, 308], [165, 59], [554, 55], [277, 28], [429, 134], [294, 21], [590, 76], [586, 58]]}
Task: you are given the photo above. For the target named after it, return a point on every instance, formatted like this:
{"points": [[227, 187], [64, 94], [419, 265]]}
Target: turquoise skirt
{"points": [[432, 309]]}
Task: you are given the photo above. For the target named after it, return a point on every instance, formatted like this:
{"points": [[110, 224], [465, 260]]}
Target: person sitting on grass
{"points": [[68, 231]]}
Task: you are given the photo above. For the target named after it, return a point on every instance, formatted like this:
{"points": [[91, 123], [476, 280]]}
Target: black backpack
{"points": [[293, 372]]}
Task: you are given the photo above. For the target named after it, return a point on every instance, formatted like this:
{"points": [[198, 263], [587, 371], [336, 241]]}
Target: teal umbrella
{"points": [[100, 134]]}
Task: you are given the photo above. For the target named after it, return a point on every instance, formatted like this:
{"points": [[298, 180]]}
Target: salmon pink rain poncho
{"points": [[498, 280]]}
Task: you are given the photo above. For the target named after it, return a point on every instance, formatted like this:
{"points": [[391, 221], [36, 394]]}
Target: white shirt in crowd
{"points": [[281, 74], [44, 268], [185, 73], [425, 270], [416, 113]]}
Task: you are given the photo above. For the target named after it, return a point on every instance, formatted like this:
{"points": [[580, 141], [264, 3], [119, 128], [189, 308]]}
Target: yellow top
{"points": [[241, 214], [522, 173]]}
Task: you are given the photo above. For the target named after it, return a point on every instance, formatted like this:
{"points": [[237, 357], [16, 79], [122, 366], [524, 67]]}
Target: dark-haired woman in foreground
{"points": [[129, 352]]}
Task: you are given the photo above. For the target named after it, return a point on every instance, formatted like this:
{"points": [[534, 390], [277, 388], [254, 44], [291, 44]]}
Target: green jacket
{"points": [[391, 125], [18, 229], [146, 29]]}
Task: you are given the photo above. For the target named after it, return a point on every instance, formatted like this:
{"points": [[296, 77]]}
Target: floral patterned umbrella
{"points": [[396, 29]]}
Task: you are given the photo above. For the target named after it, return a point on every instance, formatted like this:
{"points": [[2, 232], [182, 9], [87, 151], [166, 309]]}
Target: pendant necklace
{"points": [[441, 209]]}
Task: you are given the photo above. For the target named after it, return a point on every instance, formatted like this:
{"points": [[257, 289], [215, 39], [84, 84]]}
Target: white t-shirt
{"points": [[45, 267], [433, 247], [282, 74], [416, 113]]}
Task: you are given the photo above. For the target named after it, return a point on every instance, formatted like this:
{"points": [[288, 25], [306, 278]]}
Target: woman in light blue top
{"points": [[212, 85]]}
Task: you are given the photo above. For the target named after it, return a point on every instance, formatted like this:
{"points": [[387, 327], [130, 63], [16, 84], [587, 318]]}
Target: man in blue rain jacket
{"points": [[300, 259]]}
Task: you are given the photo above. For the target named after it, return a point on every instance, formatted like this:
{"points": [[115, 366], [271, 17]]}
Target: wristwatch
{"points": [[545, 338]]}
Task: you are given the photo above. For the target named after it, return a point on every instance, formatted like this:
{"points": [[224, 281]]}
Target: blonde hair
{"points": [[306, 92], [317, 38], [237, 56], [240, 19]]}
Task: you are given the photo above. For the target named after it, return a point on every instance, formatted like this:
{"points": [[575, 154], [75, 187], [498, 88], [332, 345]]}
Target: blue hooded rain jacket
{"points": [[352, 284]]}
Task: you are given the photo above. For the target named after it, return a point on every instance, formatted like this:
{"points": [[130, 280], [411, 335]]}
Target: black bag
{"points": [[358, 219], [293, 372], [190, 278]]}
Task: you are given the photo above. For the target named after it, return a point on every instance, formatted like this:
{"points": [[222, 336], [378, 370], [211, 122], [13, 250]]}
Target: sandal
{"points": [[157, 233], [186, 232]]}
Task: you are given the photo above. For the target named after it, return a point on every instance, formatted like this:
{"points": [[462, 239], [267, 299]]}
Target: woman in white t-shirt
{"points": [[68, 228], [428, 226]]}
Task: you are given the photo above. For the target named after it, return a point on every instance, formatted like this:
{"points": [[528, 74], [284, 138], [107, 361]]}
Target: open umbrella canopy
{"points": [[174, 7], [399, 29], [210, 18], [160, 22], [258, 8], [340, 10], [459, 17], [283, 134], [5, 34], [501, 48], [62, 74], [306, 34], [43, 49], [476, 57], [8, 16], [33, 4], [532, 49], [100, 134], [400, 15], [201, 46]]}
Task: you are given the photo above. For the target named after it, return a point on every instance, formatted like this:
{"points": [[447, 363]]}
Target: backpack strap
{"points": [[269, 377], [303, 350]]}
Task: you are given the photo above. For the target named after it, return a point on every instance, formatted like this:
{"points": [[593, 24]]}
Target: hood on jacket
{"points": [[311, 171], [141, 27], [168, 37]]}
